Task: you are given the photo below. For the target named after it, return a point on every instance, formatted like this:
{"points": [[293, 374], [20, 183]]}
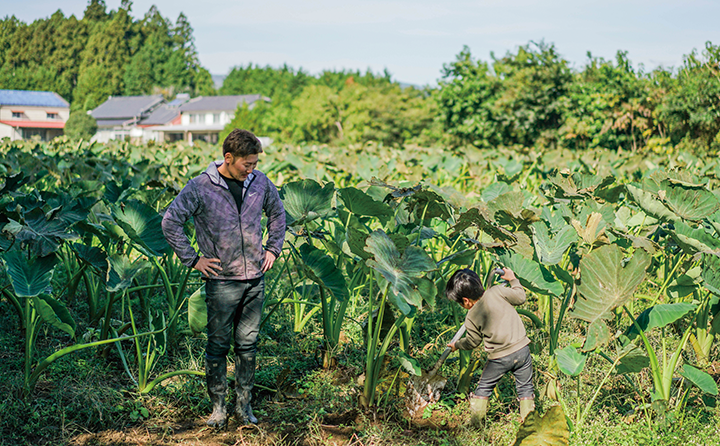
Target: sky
{"points": [[413, 39]]}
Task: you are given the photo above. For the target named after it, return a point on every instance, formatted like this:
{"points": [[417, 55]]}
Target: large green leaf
{"points": [[197, 311], [598, 334], [122, 271], [480, 218], [306, 200], [711, 273], [360, 203], [625, 219], [578, 185], [321, 269], [690, 203], [44, 231], [650, 203], [428, 204], [531, 274], [508, 208], [685, 284], [607, 282], [427, 290], [693, 240], [672, 199], [494, 190], [569, 361], [399, 269], [29, 277], [92, 255], [659, 316], [550, 251], [702, 380], [143, 225], [714, 220], [355, 238], [549, 430], [634, 359], [54, 313]]}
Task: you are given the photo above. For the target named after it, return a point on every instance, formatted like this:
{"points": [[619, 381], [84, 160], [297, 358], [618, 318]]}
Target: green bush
{"points": [[80, 126]]}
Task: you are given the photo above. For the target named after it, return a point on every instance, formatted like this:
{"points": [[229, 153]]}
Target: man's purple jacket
{"points": [[222, 233]]}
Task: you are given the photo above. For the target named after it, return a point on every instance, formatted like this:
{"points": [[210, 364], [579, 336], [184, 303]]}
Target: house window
{"points": [[51, 115], [216, 118], [17, 115]]}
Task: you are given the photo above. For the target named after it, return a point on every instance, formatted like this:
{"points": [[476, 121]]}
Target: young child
{"points": [[492, 321]]}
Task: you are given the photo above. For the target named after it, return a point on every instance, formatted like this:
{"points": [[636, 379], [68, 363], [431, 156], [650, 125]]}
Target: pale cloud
{"points": [[425, 32], [320, 12]]}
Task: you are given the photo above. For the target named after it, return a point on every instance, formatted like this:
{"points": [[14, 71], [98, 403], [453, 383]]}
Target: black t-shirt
{"points": [[236, 189]]}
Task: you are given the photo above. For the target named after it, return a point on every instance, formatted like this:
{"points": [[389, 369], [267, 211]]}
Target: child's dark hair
{"points": [[464, 283]]}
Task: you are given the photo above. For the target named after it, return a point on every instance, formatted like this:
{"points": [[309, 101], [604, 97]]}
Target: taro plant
{"points": [[661, 365], [572, 362], [154, 341], [400, 279], [31, 279], [142, 225], [708, 314]]}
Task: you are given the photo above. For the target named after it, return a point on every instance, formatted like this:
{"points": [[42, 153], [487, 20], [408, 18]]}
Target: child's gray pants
{"points": [[519, 363]]}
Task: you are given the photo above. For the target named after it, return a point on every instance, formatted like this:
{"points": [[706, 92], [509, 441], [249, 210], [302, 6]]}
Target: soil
{"points": [[335, 430]]}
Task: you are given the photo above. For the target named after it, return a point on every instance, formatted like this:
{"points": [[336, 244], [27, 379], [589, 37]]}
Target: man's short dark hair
{"points": [[241, 143], [464, 283]]}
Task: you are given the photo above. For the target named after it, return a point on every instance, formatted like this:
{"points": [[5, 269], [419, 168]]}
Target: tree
{"points": [[95, 11], [247, 118], [103, 61], [80, 125], [610, 106], [468, 90], [691, 110], [147, 68]]}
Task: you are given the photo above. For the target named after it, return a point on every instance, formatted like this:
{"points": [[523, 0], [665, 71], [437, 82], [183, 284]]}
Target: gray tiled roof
{"points": [[111, 122], [166, 112], [127, 107], [162, 115], [32, 98], [220, 103]]}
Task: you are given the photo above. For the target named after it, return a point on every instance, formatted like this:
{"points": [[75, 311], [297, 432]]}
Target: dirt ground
{"points": [[334, 430]]}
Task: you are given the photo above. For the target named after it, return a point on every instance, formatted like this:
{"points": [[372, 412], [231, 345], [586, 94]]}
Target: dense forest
{"points": [[102, 54], [530, 97]]}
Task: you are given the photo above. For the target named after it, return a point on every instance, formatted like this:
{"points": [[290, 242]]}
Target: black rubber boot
{"points": [[215, 374], [244, 381]]}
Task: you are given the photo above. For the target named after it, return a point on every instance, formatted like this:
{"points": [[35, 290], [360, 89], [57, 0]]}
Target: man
{"points": [[226, 203]]}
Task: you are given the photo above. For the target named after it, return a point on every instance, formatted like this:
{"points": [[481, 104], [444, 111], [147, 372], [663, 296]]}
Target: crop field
{"points": [[102, 329]]}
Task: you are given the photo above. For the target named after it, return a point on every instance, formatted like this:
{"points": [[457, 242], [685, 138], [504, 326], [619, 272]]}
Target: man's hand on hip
{"points": [[208, 266], [268, 262]]}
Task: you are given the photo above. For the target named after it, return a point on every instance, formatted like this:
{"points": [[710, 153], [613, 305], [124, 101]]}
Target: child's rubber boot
{"points": [[478, 410], [526, 406]]}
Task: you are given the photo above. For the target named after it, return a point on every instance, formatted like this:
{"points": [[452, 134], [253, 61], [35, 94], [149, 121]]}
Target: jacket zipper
{"points": [[244, 192]]}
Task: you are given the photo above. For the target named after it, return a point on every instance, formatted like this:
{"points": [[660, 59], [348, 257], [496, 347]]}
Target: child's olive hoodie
{"points": [[493, 321]]}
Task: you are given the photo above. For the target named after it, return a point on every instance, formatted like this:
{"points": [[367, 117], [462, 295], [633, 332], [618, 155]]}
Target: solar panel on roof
{"points": [[32, 98]]}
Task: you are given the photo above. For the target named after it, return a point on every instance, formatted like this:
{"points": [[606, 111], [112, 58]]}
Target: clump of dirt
{"points": [[423, 390]]}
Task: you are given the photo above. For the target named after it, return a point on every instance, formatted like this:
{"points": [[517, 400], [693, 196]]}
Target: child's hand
{"points": [[508, 275], [452, 346]]}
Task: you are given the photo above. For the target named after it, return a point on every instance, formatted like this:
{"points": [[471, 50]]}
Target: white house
{"points": [[120, 117], [24, 114], [205, 117]]}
